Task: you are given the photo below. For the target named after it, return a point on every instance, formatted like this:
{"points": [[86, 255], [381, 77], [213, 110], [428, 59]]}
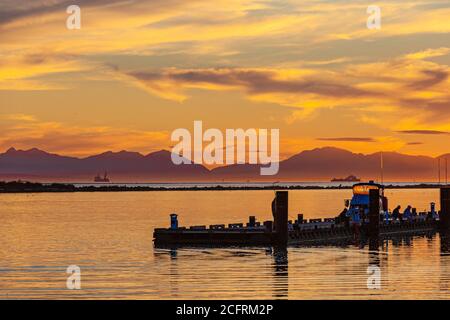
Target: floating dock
{"points": [[281, 232]]}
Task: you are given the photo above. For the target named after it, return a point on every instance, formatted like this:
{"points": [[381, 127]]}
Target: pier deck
{"points": [[281, 232], [314, 232]]}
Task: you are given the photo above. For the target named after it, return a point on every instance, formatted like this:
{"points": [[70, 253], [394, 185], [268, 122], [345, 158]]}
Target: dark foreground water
{"points": [[109, 236]]}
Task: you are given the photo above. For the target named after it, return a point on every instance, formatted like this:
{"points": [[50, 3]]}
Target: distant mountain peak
{"points": [[32, 151], [161, 152], [120, 154], [443, 156], [329, 149], [35, 150], [321, 153]]}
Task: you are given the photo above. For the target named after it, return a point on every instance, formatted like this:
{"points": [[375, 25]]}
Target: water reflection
{"points": [[374, 257], [374, 243], [444, 279], [344, 269], [173, 272], [444, 237], [173, 253], [281, 272], [44, 233]]}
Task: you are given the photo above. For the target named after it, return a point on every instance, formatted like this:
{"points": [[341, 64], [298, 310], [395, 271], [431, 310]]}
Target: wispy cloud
{"points": [[348, 139], [252, 81], [425, 132], [397, 86], [414, 143], [433, 77]]}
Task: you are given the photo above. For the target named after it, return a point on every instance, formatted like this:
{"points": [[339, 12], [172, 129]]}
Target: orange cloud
{"points": [[25, 131], [393, 87]]}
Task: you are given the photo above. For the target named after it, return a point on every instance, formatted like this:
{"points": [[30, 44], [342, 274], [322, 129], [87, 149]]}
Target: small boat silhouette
{"points": [[98, 178]]}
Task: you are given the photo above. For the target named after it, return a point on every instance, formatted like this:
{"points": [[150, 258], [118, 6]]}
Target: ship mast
{"points": [[439, 170], [382, 167], [446, 171]]}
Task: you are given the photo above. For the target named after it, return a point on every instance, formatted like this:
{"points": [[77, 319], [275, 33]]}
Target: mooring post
{"points": [[444, 217], [374, 213], [252, 221], [173, 221], [281, 217]]}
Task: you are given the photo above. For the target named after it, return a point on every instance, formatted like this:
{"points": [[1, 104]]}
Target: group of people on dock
{"points": [[358, 217], [407, 214]]}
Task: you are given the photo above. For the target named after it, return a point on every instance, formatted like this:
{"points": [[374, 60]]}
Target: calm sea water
{"points": [[109, 236]]}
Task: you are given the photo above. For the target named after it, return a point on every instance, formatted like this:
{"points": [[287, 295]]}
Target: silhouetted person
{"points": [[342, 217], [274, 209], [396, 213], [407, 214], [355, 224], [386, 217], [362, 215]]}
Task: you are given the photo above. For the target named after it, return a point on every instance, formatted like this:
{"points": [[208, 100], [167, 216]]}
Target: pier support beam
{"points": [[280, 215], [445, 208], [374, 216]]}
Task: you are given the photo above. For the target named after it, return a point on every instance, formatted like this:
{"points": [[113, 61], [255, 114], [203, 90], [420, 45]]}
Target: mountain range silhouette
{"points": [[320, 164]]}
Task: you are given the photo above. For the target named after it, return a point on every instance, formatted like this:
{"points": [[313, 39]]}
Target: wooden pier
{"points": [[281, 232]]}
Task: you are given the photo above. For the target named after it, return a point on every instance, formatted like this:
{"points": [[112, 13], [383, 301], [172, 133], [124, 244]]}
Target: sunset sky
{"points": [[137, 70]]}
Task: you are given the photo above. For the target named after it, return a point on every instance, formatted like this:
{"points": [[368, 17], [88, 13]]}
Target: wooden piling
{"points": [[374, 213], [252, 221], [281, 218], [445, 208]]}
